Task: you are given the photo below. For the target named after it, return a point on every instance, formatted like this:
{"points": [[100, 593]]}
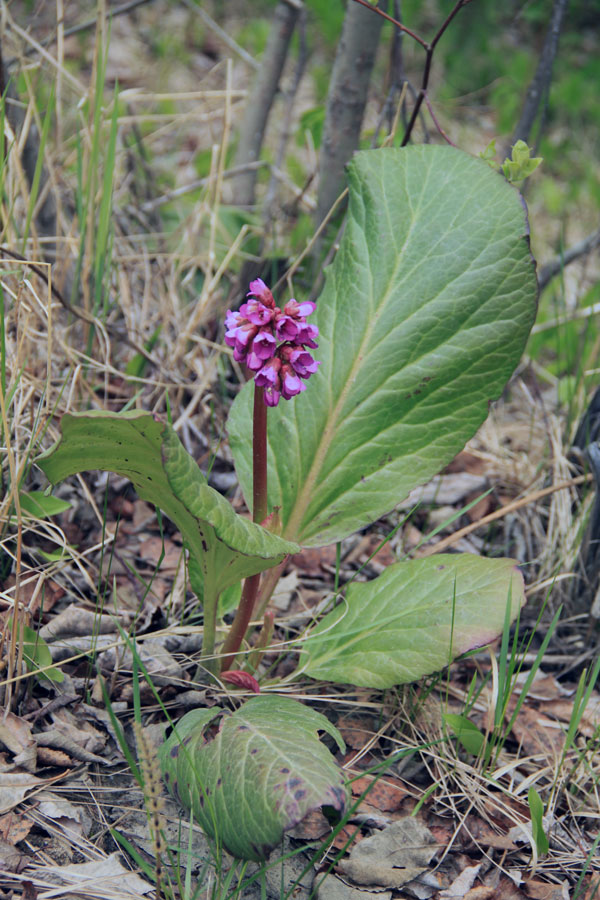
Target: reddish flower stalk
{"points": [[272, 342], [244, 612]]}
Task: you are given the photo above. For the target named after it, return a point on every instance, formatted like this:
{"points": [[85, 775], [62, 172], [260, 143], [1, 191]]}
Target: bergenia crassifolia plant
{"points": [[423, 317]]}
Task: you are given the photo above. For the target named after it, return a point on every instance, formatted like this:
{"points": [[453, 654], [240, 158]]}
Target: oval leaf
{"points": [[149, 453], [424, 315], [258, 777], [36, 503], [414, 619], [466, 732]]}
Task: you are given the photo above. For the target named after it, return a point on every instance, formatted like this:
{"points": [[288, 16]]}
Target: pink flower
{"points": [[295, 309], [268, 376], [290, 383], [256, 312], [259, 289], [286, 329], [271, 396], [302, 363], [273, 343], [307, 334]]}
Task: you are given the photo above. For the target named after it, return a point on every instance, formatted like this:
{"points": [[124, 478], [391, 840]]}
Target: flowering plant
{"points": [[424, 315]]}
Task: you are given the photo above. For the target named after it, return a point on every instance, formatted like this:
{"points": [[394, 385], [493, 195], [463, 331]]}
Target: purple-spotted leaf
{"points": [[259, 776], [414, 619], [137, 446]]}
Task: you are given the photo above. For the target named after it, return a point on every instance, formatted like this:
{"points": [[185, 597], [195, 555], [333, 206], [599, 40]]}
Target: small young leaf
{"points": [[241, 679], [466, 733], [521, 164], [259, 776], [489, 155], [37, 504], [36, 653], [414, 618], [536, 808]]}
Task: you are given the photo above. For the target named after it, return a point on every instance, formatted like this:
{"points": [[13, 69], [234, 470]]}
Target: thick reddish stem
{"points": [[234, 639], [259, 457], [241, 621]]}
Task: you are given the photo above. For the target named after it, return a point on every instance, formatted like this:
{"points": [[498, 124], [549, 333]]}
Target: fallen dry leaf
{"points": [[536, 733], [15, 734], [14, 828], [79, 730], [355, 731], [151, 550], [467, 462], [590, 718], [386, 794], [49, 757], [11, 859], [71, 819], [507, 890], [14, 787], [484, 834], [393, 857], [333, 888], [461, 885], [102, 876], [347, 837], [591, 885], [314, 561], [313, 827], [61, 742], [543, 686], [543, 890], [483, 892]]}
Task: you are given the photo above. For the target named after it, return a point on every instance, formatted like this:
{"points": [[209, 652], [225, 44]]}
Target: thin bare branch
{"points": [[395, 22], [429, 49], [581, 248], [540, 84]]}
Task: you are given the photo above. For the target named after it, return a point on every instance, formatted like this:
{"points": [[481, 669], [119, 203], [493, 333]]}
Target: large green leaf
{"points": [[413, 619], [259, 776], [149, 453], [423, 317]]}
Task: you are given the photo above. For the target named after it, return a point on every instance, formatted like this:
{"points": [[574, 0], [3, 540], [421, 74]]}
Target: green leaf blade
{"points": [[149, 453], [423, 317], [36, 503], [466, 733], [258, 777], [413, 619], [536, 808]]}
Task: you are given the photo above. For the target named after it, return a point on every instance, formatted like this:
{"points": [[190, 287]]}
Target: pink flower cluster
{"points": [[273, 342]]}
